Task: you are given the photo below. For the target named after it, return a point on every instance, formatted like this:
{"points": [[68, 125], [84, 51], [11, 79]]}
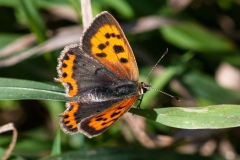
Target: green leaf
{"points": [[194, 37], [126, 154], [35, 22], [205, 87], [23, 89], [8, 3], [56, 148], [122, 7], [233, 59], [2, 151], [12, 157], [211, 117]]}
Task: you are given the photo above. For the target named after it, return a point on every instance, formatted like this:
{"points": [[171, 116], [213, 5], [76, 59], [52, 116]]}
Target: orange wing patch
{"points": [[112, 48], [68, 122], [109, 48], [102, 121], [67, 74]]}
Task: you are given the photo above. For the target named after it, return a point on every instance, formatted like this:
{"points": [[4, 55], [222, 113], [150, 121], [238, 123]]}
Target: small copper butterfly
{"points": [[101, 76]]}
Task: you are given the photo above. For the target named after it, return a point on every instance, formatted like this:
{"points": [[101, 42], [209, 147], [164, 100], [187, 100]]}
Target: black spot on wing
{"points": [[107, 35], [70, 86], [118, 49], [101, 54], [64, 75], [114, 114], [64, 65], [123, 60], [71, 52], [99, 119], [101, 46], [66, 116], [66, 57], [113, 35]]}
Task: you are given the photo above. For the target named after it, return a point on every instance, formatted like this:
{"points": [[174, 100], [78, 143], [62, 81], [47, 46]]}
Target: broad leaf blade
{"points": [[24, 89], [208, 89], [195, 37], [211, 117], [124, 153]]}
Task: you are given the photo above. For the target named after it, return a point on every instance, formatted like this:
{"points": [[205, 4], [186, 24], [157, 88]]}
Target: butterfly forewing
{"points": [[105, 40]]}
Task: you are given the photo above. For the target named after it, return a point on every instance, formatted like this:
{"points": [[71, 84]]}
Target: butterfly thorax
{"points": [[143, 88], [114, 92]]}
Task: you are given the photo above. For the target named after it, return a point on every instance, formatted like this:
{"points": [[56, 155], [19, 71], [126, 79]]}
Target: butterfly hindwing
{"points": [[105, 40], [95, 117], [65, 71], [68, 121], [97, 124]]}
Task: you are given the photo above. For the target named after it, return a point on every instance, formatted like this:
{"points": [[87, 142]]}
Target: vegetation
{"points": [[202, 68]]}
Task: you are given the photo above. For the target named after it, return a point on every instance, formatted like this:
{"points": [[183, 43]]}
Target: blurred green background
{"points": [[202, 67]]}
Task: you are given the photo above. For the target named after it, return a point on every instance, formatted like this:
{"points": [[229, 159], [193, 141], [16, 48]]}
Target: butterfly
{"points": [[100, 76]]}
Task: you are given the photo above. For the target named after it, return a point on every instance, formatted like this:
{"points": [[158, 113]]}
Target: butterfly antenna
{"points": [[174, 97], [166, 51]]}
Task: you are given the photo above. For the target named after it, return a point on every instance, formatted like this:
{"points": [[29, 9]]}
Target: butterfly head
{"points": [[143, 88]]}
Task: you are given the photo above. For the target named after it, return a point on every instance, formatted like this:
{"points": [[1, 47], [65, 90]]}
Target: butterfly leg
{"points": [[139, 104]]}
